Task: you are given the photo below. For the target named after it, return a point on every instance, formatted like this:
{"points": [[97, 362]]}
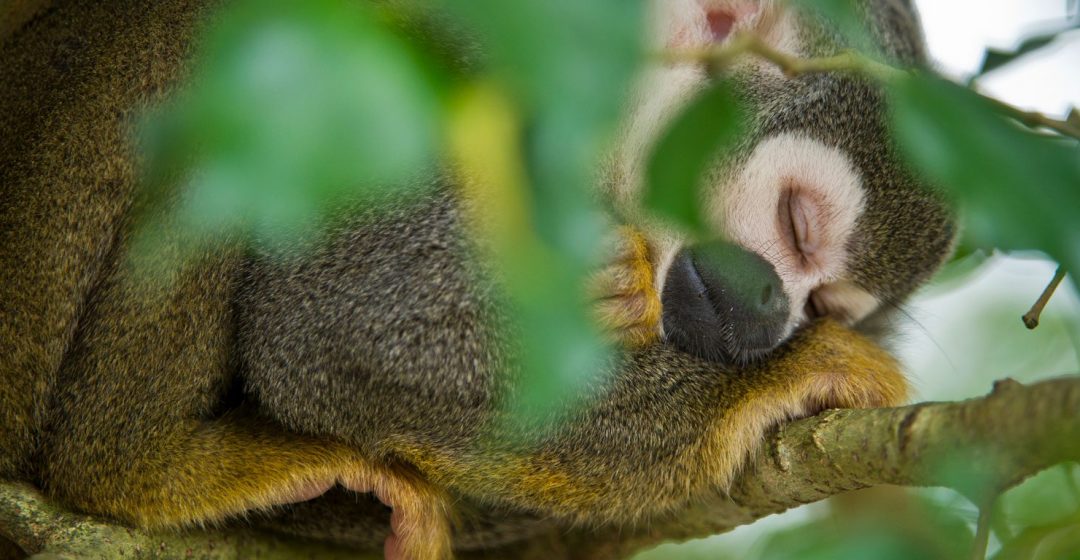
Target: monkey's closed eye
{"points": [[798, 225]]}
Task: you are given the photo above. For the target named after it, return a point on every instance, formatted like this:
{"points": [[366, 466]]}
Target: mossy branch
{"points": [[1000, 439], [46, 531]]}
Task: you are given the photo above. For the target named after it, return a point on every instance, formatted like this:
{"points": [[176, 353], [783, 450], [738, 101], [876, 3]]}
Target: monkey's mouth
{"points": [[724, 304]]}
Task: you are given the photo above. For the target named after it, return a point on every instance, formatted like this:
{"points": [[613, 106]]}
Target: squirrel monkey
{"points": [[376, 361]]}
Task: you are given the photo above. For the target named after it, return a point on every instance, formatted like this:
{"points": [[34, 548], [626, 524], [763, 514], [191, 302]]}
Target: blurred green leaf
{"points": [[1018, 188], [996, 58], [700, 549], [934, 533], [1043, 499], [293, 106], [568, 65], [708, 126], [969, 470], [1057, 541], [846, 18]]}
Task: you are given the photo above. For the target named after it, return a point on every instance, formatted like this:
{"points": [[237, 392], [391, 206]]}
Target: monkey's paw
{"points": [[624, 292]]}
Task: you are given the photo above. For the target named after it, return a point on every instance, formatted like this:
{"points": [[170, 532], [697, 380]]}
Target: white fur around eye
{"points": [[744, 208]]}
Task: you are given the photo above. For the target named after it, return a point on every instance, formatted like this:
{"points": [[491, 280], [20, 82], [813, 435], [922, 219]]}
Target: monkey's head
{"points": [[813, 214]]}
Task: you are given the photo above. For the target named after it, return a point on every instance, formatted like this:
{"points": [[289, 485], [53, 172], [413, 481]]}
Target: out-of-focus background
{"points": [[964, 330]]}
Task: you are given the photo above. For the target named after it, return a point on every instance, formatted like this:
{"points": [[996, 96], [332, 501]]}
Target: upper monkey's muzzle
{"points": [[723, 303]]}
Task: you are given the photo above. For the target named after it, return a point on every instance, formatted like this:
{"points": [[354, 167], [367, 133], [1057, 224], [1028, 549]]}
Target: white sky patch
{"points": [[959, 32]]}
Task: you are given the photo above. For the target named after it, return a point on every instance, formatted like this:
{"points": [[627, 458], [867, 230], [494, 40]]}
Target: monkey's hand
{"points": [[626, 302]]}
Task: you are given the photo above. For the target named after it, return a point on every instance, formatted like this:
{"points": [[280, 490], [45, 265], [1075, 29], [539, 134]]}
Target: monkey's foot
{"points": [[420, 522], [626, 302], [420, 518]]}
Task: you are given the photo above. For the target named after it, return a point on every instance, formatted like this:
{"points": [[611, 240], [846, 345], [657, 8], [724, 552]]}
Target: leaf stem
{"points": [[1035, 119], [1031, 318], [982, 532]]}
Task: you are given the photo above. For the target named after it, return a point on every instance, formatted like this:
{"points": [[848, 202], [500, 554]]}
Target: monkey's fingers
{"points": [[630, 320], [626, 303]]}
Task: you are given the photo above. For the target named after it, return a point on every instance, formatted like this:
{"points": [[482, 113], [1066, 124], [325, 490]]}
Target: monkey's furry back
{"points": [[388, 337]]}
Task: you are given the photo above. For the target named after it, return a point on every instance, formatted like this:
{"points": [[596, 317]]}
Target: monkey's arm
{"points": [[669, 429]]}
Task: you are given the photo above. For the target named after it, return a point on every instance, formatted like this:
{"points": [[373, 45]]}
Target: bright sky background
{"points": [[963, 334], [944, 359], [958, 31]]}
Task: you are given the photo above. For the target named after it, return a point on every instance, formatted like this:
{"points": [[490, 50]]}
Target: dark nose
{"points": [[723, 303]]}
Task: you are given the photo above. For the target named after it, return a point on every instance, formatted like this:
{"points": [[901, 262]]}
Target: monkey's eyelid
{"points": [[798, 224]]}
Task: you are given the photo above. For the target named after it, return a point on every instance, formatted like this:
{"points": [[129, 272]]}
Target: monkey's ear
{"points": [[700, 23]]}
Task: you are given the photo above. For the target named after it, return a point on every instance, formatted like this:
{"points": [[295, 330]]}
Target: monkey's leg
{"points": [[57, 218], [134, 434], [420, 522]]}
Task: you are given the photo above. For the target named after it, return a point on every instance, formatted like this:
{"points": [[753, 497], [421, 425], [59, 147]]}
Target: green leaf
{"points": [[1019, 189], [996, 58], [293, 107], [846, 18], [922, 530], [707, 127], [1044, 499], [569, 66]]}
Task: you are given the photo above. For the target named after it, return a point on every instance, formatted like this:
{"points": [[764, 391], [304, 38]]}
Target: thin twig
{"points": [[851, 62], [1036, 120], [982, 532], [748, 43], [1031, 318]]}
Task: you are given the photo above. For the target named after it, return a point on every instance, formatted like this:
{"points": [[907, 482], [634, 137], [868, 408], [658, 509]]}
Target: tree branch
{"points": [[39, 527], [745, 43], [1000, 440], [850, 62]]}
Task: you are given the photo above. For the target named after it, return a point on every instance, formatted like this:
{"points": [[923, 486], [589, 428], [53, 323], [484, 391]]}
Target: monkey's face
{"points": [[813, 214]]}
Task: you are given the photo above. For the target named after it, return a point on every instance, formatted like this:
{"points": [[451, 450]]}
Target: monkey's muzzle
{"points": [[724, 303]]}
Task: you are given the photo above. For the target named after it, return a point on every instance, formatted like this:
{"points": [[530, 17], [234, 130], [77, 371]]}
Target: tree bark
{"points": [[997, 441]]}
